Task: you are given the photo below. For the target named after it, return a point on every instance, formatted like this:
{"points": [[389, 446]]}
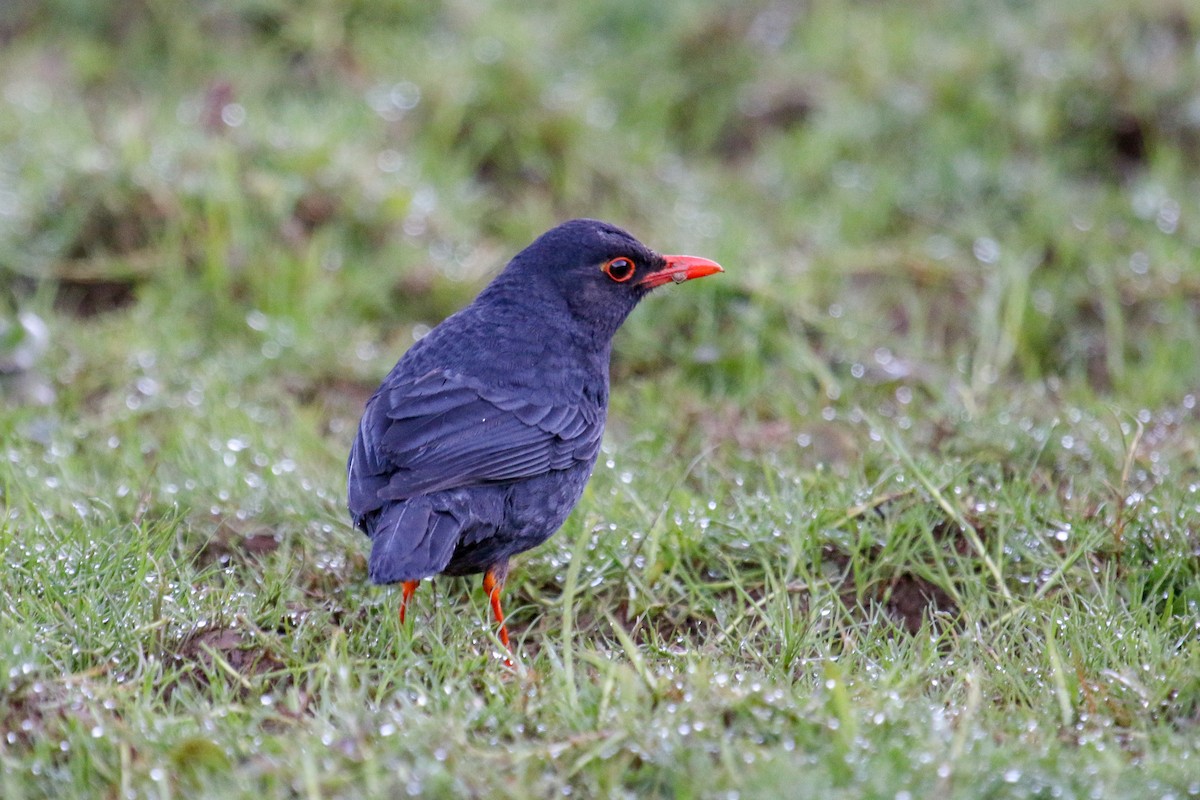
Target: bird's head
{"points": [[599, 270]]}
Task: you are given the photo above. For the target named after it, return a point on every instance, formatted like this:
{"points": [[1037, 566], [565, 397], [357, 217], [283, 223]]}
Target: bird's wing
{"points": [[441, 431]]}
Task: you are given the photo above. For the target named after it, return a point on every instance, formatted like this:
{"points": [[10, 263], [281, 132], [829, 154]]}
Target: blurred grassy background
{"points": [[908, 495]]}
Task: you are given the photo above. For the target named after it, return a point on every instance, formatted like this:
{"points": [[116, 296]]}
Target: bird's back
{"points": [[477, 444]]}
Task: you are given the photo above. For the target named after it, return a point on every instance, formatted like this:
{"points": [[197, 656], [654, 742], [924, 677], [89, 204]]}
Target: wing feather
{"points": [[441, 431]]}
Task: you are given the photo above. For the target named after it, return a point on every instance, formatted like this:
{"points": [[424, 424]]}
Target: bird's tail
{"points": [[412, 540]]}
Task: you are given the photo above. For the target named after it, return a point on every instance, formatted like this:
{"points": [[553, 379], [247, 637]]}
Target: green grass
{"points": [[905, 504]]}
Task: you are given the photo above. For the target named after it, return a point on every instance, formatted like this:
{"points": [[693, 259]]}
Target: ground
{"points": [[905, 504]]}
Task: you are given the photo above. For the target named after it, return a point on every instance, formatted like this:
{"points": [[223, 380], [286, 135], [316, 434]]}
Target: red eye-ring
{"points": [[619, 269]]}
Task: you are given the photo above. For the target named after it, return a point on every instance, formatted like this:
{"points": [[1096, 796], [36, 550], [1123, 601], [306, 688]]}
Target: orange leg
{"points": [[406, 592], [493, 582]]}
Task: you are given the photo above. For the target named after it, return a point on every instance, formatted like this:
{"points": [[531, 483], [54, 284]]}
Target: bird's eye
{"points": [[619, 269]]}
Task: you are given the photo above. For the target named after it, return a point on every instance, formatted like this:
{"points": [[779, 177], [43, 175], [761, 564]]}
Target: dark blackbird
{"points": [[480, 440]]}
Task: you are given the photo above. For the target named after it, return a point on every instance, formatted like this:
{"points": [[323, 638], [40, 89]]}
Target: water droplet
{"points": [[233, 114], [986, 250]]}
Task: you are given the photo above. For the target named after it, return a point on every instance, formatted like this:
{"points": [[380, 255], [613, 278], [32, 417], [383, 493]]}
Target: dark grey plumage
{"points": [[480, 440]]}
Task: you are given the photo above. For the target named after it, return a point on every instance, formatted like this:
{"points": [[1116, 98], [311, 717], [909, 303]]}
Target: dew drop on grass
{"points": [[986, 250]]}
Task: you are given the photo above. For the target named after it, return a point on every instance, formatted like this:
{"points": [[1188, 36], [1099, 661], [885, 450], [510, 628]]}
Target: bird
{"points": [[479, 442]]}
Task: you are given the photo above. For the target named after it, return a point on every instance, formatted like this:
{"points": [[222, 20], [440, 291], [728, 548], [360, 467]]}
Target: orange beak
{"points": [[680, 269]]}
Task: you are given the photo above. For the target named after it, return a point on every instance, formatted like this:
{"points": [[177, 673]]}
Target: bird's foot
{"points": [[406, 592], [493, 583]]}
